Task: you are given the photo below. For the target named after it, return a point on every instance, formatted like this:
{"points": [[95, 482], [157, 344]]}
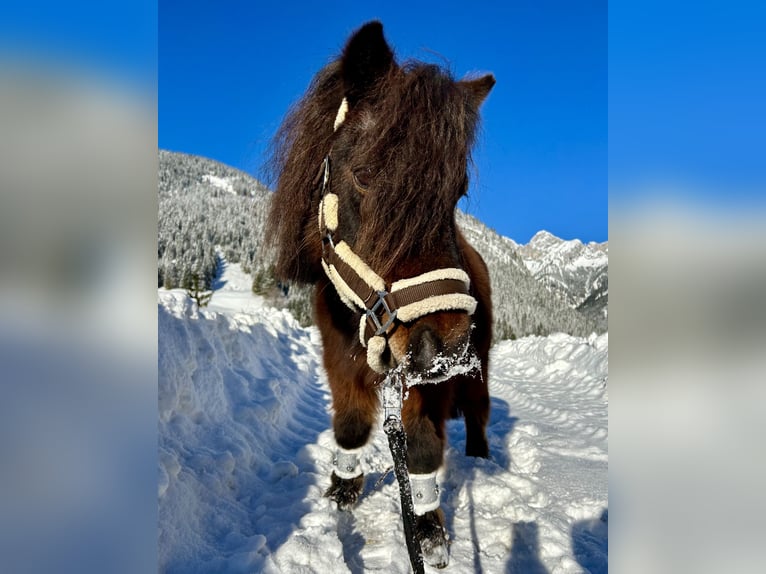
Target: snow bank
{"points": [[236, 409], [246, 452]]}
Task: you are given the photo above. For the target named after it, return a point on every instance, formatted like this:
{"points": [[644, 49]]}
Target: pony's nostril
{"points": [[424, 347]]}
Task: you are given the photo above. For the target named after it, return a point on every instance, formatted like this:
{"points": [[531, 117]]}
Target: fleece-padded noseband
{"points": [[382, 305]]}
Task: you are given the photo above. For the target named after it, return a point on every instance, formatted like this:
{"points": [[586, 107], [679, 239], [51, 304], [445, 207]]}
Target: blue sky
{"points": [[228, 71], [687, 86], [116, 40]]}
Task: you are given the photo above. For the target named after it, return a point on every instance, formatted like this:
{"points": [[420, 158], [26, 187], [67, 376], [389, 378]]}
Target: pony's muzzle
{"points": [[424, 347], [430, 347]]}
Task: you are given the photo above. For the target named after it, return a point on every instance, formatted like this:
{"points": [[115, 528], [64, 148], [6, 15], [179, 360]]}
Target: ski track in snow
{"points": [[245, 453]]}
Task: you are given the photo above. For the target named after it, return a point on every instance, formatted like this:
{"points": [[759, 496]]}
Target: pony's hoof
{"points": [[345, 491], [433, 538]]}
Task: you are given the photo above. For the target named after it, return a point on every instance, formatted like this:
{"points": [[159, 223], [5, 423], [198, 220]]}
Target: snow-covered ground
{"points": [[246, 451]]}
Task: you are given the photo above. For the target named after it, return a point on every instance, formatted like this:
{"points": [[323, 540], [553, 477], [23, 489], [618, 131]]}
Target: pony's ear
{"points": [[479, 88], [366, 58]]}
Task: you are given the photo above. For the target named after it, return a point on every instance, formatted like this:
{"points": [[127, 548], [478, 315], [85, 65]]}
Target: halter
{"points": [[383, 305]]}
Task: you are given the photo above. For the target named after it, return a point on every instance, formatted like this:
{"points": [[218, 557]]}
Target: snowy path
{"points": [[245, 454]]}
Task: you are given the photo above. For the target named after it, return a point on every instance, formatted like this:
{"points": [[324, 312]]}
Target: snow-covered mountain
{"points": [[523, 304], [207, 209], [182, 173], [576, 272], [246, 449]]}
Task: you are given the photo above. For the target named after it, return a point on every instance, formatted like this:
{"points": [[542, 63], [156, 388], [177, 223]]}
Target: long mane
{"points": [[425, 127], [296, 154]]}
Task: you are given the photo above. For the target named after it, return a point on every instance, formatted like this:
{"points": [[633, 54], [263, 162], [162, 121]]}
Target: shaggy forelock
{"points": [[417, 128], [420, 142]]}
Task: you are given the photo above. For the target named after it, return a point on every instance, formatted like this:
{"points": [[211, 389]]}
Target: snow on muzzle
{"points": [[435, 348]]}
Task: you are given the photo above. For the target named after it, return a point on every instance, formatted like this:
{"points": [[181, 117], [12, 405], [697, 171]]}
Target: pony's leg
{"points": [[355, 404], [424, 414], [354, 397], [473, 401]]}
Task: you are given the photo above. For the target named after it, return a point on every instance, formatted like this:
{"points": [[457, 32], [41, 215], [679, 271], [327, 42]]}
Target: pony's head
{"points": [[399, 139]]}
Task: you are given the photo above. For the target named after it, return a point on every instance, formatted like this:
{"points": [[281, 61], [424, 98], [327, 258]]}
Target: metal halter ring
{"points": [[372, 314]]}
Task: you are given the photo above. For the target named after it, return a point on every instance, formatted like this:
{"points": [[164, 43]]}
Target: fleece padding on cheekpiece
{"points": [[341, 115], [328, 212]]}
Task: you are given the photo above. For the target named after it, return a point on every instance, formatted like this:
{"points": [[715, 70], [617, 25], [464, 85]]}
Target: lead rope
{"points": [[391, 399]]}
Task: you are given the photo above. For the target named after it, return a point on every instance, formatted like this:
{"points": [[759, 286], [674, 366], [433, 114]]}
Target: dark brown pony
{"points": [[400, 161]]}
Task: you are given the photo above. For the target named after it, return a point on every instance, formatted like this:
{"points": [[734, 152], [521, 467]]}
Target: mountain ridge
{"points": [[574, 271]]}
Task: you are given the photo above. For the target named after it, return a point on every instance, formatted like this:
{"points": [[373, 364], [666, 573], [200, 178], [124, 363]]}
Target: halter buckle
{"points": [[372, 314], [325, 173]]}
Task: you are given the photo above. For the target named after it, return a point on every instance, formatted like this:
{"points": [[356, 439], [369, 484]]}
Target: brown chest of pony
{"points": [[371, 163]]}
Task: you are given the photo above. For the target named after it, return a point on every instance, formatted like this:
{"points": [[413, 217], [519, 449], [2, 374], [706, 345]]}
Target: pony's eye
{"points": [[363, 178]]}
